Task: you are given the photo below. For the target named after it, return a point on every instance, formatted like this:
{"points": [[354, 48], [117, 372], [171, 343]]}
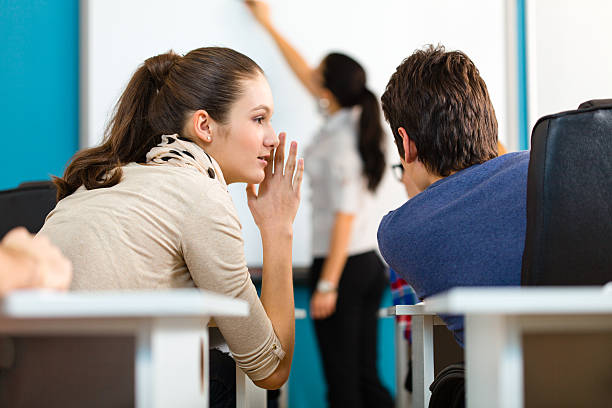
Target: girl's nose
{"points": [[271, 139]]}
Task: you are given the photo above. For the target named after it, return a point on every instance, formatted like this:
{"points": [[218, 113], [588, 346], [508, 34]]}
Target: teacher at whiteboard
{"points": [[345, 166]]}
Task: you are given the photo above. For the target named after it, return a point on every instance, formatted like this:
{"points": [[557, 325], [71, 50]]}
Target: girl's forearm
{"points": [[277, 290]]}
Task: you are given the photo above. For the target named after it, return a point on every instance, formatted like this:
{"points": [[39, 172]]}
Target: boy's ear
{"points": [[410, 151]]}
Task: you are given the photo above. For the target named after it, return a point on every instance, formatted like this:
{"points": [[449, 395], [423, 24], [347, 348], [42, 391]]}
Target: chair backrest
{"points": [[569, 198], [26, 205]]}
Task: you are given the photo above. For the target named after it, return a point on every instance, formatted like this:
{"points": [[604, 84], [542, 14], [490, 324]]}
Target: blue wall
{"points": [[39, 88]]}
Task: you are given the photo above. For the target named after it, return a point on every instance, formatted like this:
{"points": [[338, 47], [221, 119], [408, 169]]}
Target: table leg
{"points": [[494, 362], [283, 399], [172, 363], [248, 395], [422, 359], [402, 355]]}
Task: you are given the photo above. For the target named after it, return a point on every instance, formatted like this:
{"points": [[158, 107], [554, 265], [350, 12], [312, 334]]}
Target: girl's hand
{"points": [[275, 204], [260, 10]]}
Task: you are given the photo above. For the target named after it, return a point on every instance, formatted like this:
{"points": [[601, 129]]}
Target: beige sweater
{"points": [[167, 227]]}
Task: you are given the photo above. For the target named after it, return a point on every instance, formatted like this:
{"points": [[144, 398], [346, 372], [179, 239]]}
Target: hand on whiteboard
{"points": [[275, 204], [36, 262], [260, 10]]}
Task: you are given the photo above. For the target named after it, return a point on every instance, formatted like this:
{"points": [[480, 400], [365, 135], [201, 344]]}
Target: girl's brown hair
{"points": [[157, 101]]}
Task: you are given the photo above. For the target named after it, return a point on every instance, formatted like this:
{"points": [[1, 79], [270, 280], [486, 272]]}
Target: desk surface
{"points": [[160, 303], [522, 300]]}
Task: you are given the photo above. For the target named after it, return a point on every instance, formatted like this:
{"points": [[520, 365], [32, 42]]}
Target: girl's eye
{"points": [[259, 119]]}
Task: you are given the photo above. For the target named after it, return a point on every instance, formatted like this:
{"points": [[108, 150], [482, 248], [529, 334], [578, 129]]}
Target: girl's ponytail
{"points": [[128, 136]]}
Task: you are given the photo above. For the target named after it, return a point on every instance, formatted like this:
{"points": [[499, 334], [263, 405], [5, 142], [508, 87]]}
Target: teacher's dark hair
{"points": [[346, 80], [157, 101]]}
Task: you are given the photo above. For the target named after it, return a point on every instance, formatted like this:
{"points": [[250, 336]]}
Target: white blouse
{"points": [[334, 168]]}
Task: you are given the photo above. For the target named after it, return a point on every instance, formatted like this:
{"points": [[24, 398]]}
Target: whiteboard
{"points": [[568, 54], [118, 35]]}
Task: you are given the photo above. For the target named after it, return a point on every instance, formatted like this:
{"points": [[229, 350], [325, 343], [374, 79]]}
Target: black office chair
{"points": [[27, 206], [569, 198], [569, 242]]}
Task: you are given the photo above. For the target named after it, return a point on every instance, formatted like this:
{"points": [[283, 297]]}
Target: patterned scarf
{"points": [[178, 151]]}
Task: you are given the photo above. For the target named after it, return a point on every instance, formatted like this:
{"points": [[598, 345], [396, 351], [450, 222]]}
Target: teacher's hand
{"points": [[323, 305], [260, 10]]}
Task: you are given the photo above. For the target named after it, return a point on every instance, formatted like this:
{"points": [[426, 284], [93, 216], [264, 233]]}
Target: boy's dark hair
{"points": [[441, 101]]}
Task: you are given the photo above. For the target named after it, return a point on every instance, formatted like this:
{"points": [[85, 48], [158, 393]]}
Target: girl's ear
{"points": [[201, 122], [410, 150]]}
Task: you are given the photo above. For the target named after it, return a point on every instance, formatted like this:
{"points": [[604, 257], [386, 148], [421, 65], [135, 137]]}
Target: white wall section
{"points": [[569, 58]]}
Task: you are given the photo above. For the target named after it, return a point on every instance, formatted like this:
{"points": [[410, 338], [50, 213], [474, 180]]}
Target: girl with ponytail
{"points": [[149, 207], [345, 166]]}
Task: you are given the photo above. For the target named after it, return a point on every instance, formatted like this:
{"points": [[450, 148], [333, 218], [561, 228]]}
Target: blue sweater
{"points": [[467, 229]]}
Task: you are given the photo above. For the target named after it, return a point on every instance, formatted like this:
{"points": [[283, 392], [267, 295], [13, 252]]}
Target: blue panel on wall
{"points": [[39, 63], [523, 119]]}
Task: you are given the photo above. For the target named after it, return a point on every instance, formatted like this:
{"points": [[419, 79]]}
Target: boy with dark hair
{"points": [[465, 223]]}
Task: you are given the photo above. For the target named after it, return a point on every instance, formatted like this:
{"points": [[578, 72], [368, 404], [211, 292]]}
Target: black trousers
{"points": [[347, 339]]}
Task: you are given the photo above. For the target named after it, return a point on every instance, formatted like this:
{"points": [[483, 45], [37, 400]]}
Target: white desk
{"points": [[170, 328], [496, 318]]}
